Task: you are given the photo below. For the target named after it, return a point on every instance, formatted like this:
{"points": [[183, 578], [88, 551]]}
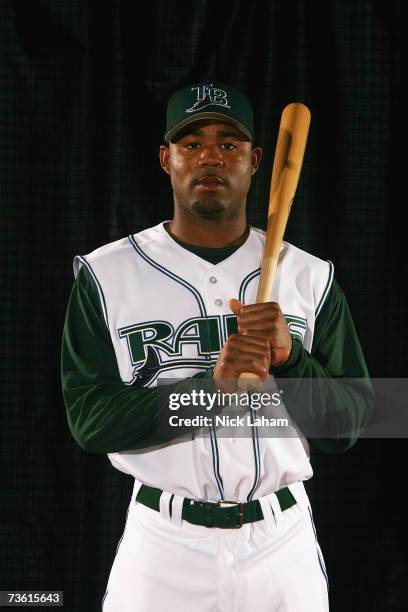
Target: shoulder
{"points": [[307, 268], [309, 274], [304, 259], [291, 254], [118, 250]]}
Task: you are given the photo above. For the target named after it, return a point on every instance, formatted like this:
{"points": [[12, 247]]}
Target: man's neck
{"points": [[209, 235]]}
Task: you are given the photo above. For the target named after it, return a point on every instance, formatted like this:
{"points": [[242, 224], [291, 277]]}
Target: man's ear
{"points": [[256, 159], [164, 155]]}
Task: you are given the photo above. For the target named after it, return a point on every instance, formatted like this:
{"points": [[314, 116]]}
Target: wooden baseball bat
{"points": [[289, 152]]}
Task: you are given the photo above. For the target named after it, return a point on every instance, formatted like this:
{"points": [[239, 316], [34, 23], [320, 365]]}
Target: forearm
{"points": [[107, 418], [331, 411]]}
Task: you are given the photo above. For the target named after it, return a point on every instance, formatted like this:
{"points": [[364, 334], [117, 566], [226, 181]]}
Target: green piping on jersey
{"points": [[326, 291], [246, 282], [98, 287]]}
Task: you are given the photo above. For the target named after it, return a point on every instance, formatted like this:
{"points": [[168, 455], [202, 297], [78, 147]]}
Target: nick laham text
{"points": [[220, 420]]}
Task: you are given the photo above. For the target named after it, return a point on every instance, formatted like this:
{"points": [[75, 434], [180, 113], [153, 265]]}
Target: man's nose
{"points": [[211, 154]]}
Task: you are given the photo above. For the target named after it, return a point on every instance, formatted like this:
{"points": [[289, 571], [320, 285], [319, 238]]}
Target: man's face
{"points": [[210, 167]]}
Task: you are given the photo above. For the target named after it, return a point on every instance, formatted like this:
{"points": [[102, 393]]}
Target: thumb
{"points": [[235, 306], [279, 356]]}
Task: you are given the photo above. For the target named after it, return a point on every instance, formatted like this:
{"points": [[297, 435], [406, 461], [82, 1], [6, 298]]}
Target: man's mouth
{"points": [[210, 183]]}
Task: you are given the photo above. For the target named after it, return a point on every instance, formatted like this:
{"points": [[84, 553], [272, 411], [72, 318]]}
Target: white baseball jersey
{"points": [[164, 303]]}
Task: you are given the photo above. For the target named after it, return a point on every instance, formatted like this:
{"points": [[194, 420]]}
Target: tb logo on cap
{"points": [[206, 95]]}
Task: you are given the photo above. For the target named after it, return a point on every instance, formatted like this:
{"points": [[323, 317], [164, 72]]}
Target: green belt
{"points": [[223, 514]]}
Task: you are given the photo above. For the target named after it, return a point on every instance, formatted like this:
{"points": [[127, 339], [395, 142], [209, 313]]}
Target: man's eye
{"points": [[229, 146], [192, 145]]}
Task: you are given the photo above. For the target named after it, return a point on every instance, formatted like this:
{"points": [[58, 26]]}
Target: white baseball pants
{"points": [[273, 565]]}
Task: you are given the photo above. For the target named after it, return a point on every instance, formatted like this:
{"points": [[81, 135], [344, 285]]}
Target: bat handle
{"points": [[248, 381]]}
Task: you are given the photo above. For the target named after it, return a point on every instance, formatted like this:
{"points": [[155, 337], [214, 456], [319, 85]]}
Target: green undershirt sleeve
{"points": [[105, 415], [337, 397]]}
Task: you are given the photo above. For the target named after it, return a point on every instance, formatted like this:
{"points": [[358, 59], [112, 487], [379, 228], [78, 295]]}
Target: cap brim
{"points": [[208, 115]]}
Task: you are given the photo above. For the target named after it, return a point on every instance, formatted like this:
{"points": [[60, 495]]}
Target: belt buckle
{"points": [[225, 503]]}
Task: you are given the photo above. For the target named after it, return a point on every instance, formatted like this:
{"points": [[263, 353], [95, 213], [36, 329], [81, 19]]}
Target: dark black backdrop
{"points": [[83, 91]]}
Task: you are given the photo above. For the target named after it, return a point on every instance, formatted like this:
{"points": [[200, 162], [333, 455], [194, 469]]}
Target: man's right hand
{"points": [[241, 353]]}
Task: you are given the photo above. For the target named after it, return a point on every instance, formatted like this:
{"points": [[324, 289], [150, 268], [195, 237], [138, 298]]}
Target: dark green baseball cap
{"points": [[209, 100]]}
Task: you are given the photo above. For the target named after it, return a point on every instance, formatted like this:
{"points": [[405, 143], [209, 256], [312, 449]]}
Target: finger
{"points": [[234, 357], [246, 363], [241, 342], [256, 328], [266, 315], [235, 306], [264, 306], [266, 321], [251, 345]]}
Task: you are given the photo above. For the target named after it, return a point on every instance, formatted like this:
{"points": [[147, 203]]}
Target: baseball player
{"points": [[215, 523]]}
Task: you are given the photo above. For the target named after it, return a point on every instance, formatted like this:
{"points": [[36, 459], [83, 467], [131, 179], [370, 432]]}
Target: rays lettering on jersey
{"points": [[156, 346]]}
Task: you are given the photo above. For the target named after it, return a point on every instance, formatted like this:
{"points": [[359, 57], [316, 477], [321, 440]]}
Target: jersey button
{"points": [[213, 280], [218, 302]]}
